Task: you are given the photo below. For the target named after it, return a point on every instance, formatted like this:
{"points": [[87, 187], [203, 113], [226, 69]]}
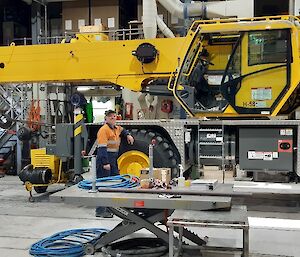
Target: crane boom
{"points": [[233, 67], [84, 61]]}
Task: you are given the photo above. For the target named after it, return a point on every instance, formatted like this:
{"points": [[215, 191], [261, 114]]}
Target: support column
{"points": [[187, 22], [292, 7], [78, 121], [90, 11], [36, 22], [296, 7]]}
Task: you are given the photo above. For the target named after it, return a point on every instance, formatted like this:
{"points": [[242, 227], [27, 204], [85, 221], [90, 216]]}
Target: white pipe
{"points": [[216, 7], [163, 27], [176, 8], [238, 8], [149, 19], [213, 9]]}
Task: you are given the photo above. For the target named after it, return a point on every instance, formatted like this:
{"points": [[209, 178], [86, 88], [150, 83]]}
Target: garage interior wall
{"points": [[271, 7], [14, 21], [78, 10], [132, 98], [241, 9]]}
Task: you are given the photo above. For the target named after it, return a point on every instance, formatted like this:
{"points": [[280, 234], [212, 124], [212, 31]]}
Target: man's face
{"points": [[111, 119]]}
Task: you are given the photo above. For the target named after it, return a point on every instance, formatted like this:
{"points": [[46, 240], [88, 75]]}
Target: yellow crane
{"points": [[253, 63], [222, 68]]}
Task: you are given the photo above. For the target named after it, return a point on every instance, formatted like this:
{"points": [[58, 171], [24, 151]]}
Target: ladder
{"points": [[10, 104]]}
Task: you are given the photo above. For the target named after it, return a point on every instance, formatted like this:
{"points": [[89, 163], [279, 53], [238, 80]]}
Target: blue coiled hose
{"points": [[67, 243], [120, 181]]}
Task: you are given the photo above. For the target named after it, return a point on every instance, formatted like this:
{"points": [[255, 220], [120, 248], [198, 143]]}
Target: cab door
{"points": [[264, 59]]}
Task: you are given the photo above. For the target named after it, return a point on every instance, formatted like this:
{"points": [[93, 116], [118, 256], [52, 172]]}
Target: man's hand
{"points": [[106, 166], [130, 139]]}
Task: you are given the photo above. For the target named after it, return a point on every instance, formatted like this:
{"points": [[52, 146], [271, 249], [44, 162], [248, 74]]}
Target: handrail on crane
{"points": [[234, 20]]}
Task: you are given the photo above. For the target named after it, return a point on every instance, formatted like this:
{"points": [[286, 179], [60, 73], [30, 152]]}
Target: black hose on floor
{"points": [[146, 247], [68, 243]]}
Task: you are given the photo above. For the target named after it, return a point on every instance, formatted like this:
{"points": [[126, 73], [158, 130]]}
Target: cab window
{"points": [[268, 47]]}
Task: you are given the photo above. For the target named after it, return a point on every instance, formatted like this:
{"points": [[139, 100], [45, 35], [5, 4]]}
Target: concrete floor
{"points": [[23, 223]]}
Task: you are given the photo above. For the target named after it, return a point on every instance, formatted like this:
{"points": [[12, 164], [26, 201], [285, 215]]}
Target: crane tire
{"points": [[164, 154]]}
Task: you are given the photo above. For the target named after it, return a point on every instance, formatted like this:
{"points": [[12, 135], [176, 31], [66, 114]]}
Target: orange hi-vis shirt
{"points": [[109, 137]]}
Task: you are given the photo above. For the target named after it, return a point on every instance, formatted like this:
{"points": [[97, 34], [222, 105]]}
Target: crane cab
{"points": [[240, 68]]}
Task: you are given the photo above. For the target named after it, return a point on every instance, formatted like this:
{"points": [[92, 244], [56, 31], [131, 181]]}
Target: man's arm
{"points": [[102, 140], [125, 133]]}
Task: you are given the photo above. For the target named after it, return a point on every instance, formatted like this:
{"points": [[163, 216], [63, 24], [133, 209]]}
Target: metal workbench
{"points": [[235, 218], [155, 207]]}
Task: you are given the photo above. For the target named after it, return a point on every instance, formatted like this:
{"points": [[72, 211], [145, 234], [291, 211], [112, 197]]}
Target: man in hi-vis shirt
{"points": [[109, 139]]}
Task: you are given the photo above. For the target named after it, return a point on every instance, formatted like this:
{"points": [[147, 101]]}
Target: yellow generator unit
{"points": [[43, 171], [39, 159]]}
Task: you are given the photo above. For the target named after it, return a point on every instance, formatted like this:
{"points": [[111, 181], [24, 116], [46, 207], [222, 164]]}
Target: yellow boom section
{"points": [[103, 61]]}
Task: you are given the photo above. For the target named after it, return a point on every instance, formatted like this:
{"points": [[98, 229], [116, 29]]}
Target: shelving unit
{"points": [[211, 146], [216, 147]]}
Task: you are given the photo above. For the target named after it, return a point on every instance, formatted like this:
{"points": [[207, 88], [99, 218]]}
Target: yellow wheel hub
{"points": [[28, 186], [132, 162]]}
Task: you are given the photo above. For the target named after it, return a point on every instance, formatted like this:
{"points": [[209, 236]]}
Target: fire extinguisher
{"points": [[128, 111], [167, 106]]}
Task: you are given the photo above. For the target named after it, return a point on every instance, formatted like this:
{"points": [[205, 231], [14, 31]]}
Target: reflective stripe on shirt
{"points": [[113, 142], [112, 150]]}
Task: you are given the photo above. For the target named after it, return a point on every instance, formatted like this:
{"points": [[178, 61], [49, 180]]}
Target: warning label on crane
{"points": [[268, 156], [253, 155], [261, 94], [264, 156], [255, 104], [286, 132]]}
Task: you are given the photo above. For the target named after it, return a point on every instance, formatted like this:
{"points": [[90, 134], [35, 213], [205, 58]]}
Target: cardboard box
{"points": [[211, 172], [163, 174], [144, 174], [104, 9], [91, 29]]}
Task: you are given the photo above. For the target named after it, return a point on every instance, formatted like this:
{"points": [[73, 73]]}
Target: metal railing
{"points": [[39, 40], [127, 34], [119, 34]]}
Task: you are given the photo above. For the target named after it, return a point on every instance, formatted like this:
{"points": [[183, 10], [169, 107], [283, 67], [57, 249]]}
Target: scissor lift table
{"points": [[155, 207]]}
